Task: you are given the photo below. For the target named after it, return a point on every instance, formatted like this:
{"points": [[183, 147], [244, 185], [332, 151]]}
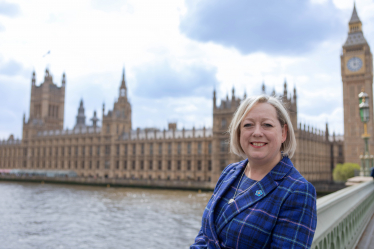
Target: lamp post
{"points": [[366, 159]]}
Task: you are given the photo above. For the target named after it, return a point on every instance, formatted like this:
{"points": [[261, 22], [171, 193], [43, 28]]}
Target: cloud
{"points": [[110, 5], [14, 101], [11, 68], [9, 9], [286, 27], [160, 79]]}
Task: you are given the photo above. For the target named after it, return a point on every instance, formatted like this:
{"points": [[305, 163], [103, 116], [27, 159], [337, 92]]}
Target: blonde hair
{"points": [[288, 147]]}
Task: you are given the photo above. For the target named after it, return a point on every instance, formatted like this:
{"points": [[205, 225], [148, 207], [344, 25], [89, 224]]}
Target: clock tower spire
{"points": [[357, 74]]}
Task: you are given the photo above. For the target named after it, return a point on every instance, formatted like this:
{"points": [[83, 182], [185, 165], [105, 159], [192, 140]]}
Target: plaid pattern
{"points": [[284, 216]]}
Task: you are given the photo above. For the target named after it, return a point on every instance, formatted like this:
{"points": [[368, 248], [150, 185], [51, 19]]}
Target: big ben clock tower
{"points": [[357, 74]]}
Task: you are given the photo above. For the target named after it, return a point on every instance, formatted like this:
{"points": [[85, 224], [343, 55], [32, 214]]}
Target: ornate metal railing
{"points": [[343, 216]]}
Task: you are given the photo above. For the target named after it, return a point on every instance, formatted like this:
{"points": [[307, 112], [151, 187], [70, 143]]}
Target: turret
{"points": [[123, 88], [327, 132], [94, 120], [81, 118], [214, 99], [63, 80], [285, 89], [33, 79], [263, 88]]}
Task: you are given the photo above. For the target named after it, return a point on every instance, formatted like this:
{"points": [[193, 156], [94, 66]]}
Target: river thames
{"points": [[73, 216]]}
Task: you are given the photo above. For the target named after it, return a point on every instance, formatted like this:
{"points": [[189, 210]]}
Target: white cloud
{"points": [[92, 44]]}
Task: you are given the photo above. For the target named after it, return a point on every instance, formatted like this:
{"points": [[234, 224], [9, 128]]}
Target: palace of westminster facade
{"points": [[116, 150]]}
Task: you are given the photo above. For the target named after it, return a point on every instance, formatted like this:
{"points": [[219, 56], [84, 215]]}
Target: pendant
{"points": [[231, 200]]}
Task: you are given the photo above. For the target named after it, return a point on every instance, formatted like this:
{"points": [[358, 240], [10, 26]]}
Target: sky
{"points": [[175, 53]]}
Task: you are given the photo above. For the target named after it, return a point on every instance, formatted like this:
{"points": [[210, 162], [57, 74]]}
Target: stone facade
{"points": [[115, 150]]}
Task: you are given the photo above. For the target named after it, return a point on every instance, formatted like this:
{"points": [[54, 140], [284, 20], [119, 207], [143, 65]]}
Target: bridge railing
{"points": [[342, 216]]}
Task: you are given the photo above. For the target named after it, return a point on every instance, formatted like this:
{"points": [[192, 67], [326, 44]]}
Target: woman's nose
{"points": [[257, 131]]}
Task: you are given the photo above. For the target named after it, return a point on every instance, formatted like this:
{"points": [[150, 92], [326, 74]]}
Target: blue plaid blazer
{"points": [[279, 212]]}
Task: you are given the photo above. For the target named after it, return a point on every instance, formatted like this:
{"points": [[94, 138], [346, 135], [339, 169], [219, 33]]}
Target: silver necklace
{"points": [[237, 187]]}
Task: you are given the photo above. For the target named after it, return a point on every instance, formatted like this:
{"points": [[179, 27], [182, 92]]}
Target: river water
{"points": [[72, 216]]}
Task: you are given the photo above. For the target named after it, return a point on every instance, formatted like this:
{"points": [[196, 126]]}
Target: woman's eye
{"points": [[247, 125], [268, 125]]}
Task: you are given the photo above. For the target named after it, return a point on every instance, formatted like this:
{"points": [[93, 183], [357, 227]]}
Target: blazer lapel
{"points": [[259, 191], [225, 185]]}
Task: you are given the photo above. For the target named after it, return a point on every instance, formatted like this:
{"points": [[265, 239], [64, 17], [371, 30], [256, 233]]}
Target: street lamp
{"points": [[366, 159]]}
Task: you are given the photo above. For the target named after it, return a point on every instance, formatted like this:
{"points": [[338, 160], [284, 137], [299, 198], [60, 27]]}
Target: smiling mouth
{"points": [[256, 144]]}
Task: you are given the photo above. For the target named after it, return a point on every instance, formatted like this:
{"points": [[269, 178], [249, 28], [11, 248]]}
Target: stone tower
{"points": [[222, 116], [118, 121], [46, 106], [357, 74], [81, 118]]}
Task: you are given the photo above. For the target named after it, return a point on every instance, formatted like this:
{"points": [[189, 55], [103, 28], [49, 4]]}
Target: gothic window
{"points": [[223, 123], [107, 128], [126, 149], [179, 148], [210, 148], [223, 144], [209, 165], [169, 148], [117, 165], [107, 149], [160, 149], [188, 165], [117, 149], [141, 165], [151, 149], [134, 149], [125, 165], [150, 165], [199, 150], [142, 149], [83, 150], [189, 148], [199, 165], [169, 165], [178, 165], [133, 164], [107, 164], [159, 165], [223, 164]]}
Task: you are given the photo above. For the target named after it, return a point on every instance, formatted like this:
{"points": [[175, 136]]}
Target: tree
{"points": [[344, 171]]}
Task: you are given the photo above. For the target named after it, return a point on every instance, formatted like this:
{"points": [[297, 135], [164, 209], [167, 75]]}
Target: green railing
{"points": [[342, 216]]}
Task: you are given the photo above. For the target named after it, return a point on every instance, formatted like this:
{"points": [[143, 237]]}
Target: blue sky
{"points": [[175, 53]]}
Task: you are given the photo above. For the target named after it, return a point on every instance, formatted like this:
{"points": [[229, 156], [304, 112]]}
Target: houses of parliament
{"points": [[117, 150]]}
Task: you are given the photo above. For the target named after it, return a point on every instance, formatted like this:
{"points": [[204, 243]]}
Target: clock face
{"points": [[354, 64]]}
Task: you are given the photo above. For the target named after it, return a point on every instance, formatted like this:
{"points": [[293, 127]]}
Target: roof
{"points": [[354, 17], [355, 39]]}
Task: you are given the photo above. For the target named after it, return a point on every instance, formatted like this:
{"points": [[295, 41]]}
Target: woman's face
{"points": [[261, 135]]}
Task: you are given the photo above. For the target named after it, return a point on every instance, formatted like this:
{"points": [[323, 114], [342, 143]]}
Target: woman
{"points": [[263, 201]]}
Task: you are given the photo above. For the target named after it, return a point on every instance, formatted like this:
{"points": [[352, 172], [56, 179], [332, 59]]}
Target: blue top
{"points": [[222, 204], [278, 212]]}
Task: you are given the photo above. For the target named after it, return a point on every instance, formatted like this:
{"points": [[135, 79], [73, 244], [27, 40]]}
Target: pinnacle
{"points": [[354, 17]]}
